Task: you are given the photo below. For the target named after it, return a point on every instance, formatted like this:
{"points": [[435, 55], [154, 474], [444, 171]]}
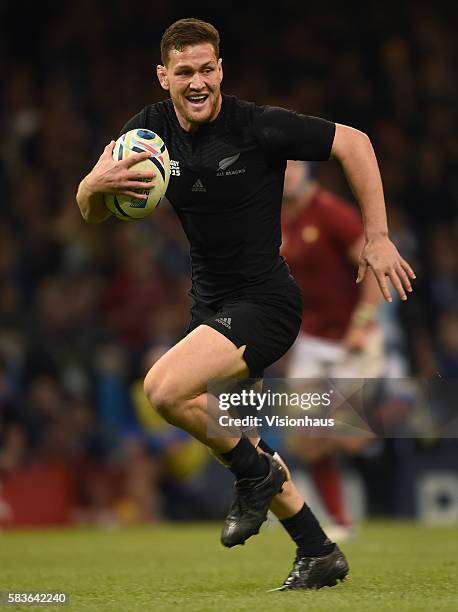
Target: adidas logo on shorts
{"points": [[225, 321]]}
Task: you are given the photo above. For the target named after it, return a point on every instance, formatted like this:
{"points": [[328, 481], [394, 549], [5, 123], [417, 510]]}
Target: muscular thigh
{"points": [[204, 354]]}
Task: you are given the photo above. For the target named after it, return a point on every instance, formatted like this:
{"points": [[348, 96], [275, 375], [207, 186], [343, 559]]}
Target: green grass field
{"points": [[393, 566]]}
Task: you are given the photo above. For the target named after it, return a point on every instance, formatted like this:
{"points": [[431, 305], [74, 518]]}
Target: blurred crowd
{"points": [[85, 309]]}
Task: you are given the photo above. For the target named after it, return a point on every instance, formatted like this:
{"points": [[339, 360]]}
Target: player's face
{"points": [[193, 76]]}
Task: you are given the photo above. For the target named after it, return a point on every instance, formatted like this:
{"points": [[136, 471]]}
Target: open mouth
{"points": [[197, 100]]}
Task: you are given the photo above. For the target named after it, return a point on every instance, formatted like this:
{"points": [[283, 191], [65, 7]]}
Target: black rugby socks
{"points": [[303, 527], [244, 461], [305, 530]]}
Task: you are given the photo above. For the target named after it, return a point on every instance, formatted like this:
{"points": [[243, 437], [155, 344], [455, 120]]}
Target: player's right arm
{"points": [[111, 176], [309, 138], [353, 149]]}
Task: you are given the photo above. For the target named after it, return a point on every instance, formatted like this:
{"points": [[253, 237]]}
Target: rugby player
{"points": [[229, 158], [340, 336]]}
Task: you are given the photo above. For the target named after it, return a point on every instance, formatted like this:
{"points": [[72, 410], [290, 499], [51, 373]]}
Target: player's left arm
{"points": [[353, 149]]}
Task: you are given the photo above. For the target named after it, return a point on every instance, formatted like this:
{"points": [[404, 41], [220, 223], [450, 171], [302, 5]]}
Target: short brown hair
{"points": [[185, 32]]}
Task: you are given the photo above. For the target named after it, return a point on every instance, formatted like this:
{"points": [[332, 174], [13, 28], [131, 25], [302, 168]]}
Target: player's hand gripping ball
{"points": [[137, 141]]}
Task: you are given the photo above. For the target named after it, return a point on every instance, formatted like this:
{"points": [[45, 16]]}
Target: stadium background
{"points": [[82, 307]]}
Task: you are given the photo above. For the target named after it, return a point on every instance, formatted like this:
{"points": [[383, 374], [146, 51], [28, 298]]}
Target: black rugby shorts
{"points": [[267, 324]]}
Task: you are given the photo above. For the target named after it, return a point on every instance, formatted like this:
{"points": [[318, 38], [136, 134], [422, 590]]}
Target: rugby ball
{"points": [[136, 141]]}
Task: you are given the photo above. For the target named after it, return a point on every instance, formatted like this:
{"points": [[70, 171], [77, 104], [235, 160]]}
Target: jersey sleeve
{"points": [[291, 135]]}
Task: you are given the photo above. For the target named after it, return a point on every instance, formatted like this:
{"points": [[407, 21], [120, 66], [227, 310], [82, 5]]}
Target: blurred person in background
{"points": [[340, 337], [235, 259]]}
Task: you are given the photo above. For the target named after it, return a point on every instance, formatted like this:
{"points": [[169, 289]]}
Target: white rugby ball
{"points": [[137, 141]]}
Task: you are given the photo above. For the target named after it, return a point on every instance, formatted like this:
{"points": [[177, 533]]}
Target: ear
{"points": [[220, 68], [161, 72]]}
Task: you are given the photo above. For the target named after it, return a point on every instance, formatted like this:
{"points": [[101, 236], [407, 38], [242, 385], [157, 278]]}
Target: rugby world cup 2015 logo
{"points": [[174, 168]]}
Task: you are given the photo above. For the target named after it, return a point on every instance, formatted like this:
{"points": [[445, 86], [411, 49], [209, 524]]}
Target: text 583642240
{"points": [[33, 598]]}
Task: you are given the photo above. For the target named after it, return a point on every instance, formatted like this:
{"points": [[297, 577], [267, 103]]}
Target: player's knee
{"points": [[162, 397]]}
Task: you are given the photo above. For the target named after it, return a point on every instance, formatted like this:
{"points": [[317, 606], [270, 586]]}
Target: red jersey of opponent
{"points": [[316, 245]]}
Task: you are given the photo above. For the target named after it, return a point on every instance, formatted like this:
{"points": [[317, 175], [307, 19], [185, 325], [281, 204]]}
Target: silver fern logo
{"points": [[228, 161]]}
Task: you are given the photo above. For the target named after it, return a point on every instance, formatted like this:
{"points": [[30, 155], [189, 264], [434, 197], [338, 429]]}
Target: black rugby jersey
{"points": [[226, 187]]}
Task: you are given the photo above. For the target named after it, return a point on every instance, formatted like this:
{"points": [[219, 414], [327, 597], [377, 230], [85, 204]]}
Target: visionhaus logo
{"points": [[274, 420]]}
